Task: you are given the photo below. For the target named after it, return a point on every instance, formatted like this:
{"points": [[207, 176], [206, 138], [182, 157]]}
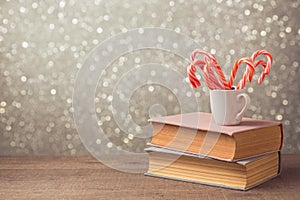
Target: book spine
{"points": [[281, 128], [279, 162]]}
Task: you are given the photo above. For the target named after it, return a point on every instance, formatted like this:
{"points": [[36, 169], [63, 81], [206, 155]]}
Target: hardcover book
{"points": [[241, 175], [196, 133]]}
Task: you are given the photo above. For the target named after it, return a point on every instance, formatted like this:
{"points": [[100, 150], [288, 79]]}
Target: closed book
{"points": [[240, 175], [197, 133]]}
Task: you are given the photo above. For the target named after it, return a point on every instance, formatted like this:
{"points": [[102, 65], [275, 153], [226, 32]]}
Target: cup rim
{"points": [[233, 89]]}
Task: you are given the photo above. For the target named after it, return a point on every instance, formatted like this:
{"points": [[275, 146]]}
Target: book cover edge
{"points": [[212, 157], [161, 121]]}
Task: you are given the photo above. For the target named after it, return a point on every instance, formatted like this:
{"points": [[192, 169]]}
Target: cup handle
{"points": [[247, 103]]}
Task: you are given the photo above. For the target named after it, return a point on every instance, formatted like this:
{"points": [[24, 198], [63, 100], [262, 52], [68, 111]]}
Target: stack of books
{"points": [[191, 147]]}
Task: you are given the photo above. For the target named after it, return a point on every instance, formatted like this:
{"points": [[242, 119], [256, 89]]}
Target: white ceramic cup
{"points": [[228, 106]]}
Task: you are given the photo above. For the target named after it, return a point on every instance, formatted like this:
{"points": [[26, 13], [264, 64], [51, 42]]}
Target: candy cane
{"points": [[201, 52], [267, 67], [264, 65], [216, 75], [247, 75], [210, 80], [221, 76], [213, 69], [191, 70], [213, 74]]}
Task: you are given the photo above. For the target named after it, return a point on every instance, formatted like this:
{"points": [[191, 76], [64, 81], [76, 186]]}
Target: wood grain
{"points": [[83, 177]]}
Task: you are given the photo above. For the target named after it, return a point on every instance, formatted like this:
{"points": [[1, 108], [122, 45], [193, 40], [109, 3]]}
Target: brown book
{"points": [[197, 133], [241, 175]]}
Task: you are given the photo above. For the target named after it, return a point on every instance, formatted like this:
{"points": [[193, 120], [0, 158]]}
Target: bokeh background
{"points": [[43, 45]]}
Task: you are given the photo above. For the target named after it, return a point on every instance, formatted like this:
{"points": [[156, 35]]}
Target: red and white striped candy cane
{"points": [[220, 76], [204, 53], [210, 80], [247, 75], [191, 70], [214, 71], [266, 67], [216, 75]]}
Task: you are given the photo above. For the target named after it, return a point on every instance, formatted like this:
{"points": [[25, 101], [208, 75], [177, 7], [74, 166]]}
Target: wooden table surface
{"points": [[83, 177]]}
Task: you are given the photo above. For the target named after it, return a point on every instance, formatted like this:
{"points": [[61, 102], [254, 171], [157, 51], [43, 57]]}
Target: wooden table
{"points": [[83, 177]]}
